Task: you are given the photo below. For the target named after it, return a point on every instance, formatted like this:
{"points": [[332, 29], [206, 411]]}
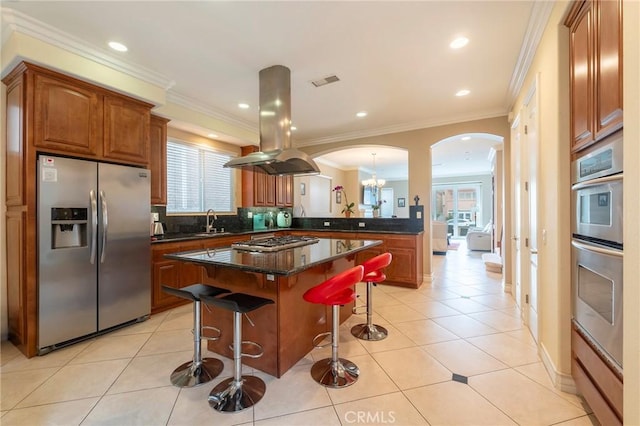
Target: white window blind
{"points": [[196, 180]]}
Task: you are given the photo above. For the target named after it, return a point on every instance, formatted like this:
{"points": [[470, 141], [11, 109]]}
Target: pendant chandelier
{"points": [[374, 182]]}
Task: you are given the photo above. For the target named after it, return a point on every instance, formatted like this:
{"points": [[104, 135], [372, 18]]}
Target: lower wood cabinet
{"points": [[178, 274], [597, 382], [406, 266]]}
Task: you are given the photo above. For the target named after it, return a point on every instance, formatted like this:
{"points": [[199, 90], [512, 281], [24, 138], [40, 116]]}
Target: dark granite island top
{"points": [[282, 262], [286, 328]]}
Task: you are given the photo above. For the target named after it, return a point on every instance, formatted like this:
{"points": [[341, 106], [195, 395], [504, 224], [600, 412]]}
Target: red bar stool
{"points": [[199, 370], [335, 372], [373, 274]]}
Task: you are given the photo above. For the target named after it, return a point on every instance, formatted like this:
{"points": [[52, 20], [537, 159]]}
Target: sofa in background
{"points": [[480, 239]]}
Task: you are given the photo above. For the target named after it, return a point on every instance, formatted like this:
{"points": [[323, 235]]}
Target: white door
{"points": [[516, 134], [531, 251], [386, 210]]}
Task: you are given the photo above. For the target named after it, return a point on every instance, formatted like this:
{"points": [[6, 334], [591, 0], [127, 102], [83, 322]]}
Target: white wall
{"points": [[554, 260]]}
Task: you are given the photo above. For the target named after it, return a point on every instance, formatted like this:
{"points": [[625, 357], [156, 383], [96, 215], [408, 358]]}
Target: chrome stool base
{"points": [[332, 374], [371, 332], [231, 396], [191, 374]]}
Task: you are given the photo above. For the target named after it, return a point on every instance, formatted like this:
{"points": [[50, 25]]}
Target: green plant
{"points": [[348, 207]]}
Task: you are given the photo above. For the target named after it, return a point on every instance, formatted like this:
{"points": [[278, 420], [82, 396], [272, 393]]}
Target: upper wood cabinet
{"points": [[126, 130], [72, 117], [263, 190], [595, 55], [68, 116], [158, 160]]}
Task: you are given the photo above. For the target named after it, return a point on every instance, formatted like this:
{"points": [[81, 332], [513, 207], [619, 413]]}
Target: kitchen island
{"points": [[286, 328]]}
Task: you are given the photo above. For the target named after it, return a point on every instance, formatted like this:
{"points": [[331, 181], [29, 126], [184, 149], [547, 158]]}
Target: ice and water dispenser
{"points": [[68, 227]]}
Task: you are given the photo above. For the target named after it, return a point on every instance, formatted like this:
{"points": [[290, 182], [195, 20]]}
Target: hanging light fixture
{"points": [[374, 182]]}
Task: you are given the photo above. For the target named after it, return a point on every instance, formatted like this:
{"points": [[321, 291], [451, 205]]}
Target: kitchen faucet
{"points": [[210, 224]]}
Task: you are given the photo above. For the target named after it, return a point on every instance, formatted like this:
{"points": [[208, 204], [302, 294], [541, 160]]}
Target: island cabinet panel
{"points": [[286, 328], [68, 116], [595, 59], [158, 160]]}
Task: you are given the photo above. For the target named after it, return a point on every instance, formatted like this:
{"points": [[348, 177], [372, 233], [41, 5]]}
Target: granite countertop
{"points": [[284, 262], [177, 236]]}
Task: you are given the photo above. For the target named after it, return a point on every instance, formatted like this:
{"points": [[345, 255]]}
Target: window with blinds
{"points": [[196, 180]]}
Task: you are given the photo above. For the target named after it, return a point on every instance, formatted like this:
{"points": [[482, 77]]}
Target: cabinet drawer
{"points": [[598, 373]]}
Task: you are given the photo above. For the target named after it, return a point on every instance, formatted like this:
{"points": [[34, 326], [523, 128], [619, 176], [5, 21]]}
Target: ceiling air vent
{"points": [[326, 80]]}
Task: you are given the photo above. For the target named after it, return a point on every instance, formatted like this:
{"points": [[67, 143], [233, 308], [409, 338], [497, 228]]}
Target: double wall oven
{"points": [[597, 245]]}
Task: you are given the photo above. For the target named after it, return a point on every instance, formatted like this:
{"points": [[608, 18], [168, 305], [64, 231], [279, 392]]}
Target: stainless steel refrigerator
{"points": [[93, 248]]}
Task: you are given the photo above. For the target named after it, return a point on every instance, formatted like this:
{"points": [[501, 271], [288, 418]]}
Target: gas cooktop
{"points": [[274, 243]]}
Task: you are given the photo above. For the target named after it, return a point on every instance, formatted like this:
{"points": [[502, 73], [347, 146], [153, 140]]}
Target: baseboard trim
{"points": [[561, 381], [427, 278]]}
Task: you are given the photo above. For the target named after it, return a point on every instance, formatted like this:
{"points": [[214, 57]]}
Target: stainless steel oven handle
{"points": [[596, 249], [597, 181]]}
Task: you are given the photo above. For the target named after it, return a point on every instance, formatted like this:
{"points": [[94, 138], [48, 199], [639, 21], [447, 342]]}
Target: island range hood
{"points": [[276, 156]]}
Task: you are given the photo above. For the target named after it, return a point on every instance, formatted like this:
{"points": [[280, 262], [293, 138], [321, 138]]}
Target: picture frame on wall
{"points": [[338, 197], [303, 188], [401, 202]]}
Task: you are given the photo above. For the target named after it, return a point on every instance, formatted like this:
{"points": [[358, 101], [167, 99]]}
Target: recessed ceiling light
{"points": [[361, 114], [118, 46], [463, 92], [465, 138], [212, 135], [243, 106], [459, 42]]}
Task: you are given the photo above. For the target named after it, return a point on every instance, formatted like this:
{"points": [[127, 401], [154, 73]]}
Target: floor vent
{"points": [[459, 378]]}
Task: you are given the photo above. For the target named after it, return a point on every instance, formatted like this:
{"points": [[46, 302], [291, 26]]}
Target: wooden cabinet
{"points": [[599, 384], [68, 116], [48, 112], [158, 160], [405, 269], [171, 273], [178, 274], [595, 55], [126, 130], [263, 190], [72, 117], [406, 265]]}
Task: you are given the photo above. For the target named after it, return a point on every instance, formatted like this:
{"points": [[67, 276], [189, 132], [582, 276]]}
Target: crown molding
{"points": [[14, 21], [406, 127], [540, 13], [206, 109]]}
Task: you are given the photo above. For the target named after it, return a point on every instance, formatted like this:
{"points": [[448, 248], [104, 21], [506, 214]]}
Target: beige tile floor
{"points": [[461, 323]]}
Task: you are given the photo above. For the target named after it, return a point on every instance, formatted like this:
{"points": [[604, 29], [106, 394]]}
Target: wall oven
{"points": [[597, 245]]}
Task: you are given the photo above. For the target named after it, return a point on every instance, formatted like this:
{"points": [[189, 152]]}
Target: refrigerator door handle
{"points": [[94, 226], [105, 226]]}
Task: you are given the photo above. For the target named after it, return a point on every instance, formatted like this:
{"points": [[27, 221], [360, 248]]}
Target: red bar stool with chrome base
{"points": [[373, 274], [335, 372]]}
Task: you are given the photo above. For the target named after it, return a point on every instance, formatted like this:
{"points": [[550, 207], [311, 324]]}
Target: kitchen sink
{"points": [[210, 234]]}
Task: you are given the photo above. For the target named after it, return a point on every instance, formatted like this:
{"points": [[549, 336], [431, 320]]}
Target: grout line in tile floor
{"points": [[449, 328]]}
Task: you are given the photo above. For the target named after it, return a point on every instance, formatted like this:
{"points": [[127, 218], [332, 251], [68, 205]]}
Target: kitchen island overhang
{"points": [[286, 328]]}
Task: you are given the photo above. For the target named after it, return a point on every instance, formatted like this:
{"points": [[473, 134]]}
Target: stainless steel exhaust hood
{"points": [[276, 156]]}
